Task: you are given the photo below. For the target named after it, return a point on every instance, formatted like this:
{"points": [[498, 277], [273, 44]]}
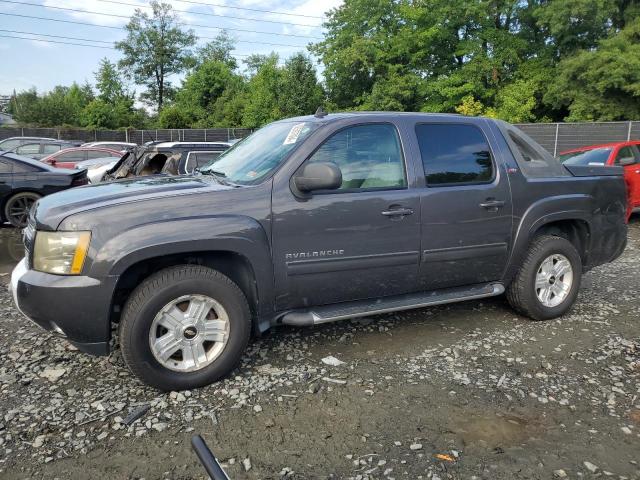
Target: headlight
{"points": [[62, 253]]}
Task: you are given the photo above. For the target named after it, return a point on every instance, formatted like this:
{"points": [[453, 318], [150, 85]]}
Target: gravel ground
{"points": [[463, 391]]}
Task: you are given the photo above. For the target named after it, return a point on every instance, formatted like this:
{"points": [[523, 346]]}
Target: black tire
{"points": [[522, 294], [156, 292], [16, 210]]}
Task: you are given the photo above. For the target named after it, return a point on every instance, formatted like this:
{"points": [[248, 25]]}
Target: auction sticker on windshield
{"points": [[294, 133]]}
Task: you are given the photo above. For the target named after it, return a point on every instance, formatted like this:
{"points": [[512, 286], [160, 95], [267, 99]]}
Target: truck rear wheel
{"points": [[184, 327], [547, 283]]}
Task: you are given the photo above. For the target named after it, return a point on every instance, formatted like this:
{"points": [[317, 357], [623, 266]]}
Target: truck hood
{"points": [[51, 210]]}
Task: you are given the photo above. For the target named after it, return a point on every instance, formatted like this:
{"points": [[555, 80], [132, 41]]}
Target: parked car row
{"points": [[24, 180]]}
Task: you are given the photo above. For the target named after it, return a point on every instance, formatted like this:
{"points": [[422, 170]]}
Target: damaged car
{"points": [[168, 158]]}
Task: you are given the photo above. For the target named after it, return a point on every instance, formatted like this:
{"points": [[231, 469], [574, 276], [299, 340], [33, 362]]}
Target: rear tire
{"points": [[548, 281], [16, 210], [184, 327]]}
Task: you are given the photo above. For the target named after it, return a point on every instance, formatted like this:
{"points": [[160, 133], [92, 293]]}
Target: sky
{"points": [[28, 63]]}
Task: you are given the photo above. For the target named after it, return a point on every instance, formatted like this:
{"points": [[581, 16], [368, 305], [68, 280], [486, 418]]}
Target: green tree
{"points": [[219, 49], [155, 49], [603, 83], [300, 91], [254, 61], [263, 95], [109, 82]]}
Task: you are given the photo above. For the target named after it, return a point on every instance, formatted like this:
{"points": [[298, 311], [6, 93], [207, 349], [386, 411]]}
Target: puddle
{"points": [[497, 431]]}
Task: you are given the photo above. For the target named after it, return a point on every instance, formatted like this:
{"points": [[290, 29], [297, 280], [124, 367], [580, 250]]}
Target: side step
{"points": [[362, 308]]}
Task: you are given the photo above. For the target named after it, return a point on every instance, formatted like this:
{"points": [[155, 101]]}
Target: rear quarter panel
{"points": [[598, 201]]}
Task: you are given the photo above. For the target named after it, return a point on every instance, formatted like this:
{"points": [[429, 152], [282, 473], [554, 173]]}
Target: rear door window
{"points": [[91, 154], [51, 148], [625, 153], [76, 156], [29, 149], [454, 154]]}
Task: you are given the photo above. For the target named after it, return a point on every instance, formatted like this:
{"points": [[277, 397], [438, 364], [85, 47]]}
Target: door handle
{"points": [[491, 204], [398, 212]]}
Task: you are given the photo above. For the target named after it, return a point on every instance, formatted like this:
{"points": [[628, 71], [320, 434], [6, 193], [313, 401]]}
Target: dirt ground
{"points": [[463, 391]]}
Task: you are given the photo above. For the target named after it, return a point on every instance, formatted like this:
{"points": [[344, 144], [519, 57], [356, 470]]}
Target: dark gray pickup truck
{"points": [[311, 220]]}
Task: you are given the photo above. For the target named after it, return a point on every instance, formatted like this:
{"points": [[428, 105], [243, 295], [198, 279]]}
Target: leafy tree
{"points": [[219, 49], [109, 83], [601, 84], [156, 48], [263, 95], [174, 117], [256, 60], [300, 91]]}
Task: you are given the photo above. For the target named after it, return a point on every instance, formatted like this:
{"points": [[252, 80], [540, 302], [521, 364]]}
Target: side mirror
{"points": [[318, 176], [626, 161]]}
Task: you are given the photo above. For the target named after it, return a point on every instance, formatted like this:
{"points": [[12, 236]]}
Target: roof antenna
{"points": [[320, 113]]}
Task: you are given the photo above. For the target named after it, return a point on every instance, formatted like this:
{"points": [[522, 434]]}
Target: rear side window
{"points": [[20, 167], [533, 160], [454, 154]]}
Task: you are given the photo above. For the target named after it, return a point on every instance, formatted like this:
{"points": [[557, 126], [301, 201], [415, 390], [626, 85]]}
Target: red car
{"points": [[68, 157], [624, 154]]}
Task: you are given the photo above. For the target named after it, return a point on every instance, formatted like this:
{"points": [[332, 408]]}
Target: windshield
{"points": [[597, 156], [255, 157]]}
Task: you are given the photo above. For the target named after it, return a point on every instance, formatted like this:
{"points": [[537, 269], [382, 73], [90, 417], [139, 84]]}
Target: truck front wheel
{"points": [[547, 283], [184, 327]]}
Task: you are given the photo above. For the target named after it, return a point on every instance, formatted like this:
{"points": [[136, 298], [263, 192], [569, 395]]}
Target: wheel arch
{"points": [[13, 193], [566, 216], [230, 263]]}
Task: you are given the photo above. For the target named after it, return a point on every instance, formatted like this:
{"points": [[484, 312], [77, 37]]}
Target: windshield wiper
{"points": [[220, 177]]}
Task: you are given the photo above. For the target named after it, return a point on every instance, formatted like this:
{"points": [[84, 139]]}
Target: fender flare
{"points": [[217, 233], [545, 211]]}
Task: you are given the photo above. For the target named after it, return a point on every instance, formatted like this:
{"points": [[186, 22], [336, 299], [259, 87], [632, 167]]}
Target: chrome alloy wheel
{"points": [[554, 280], [189, 333]]}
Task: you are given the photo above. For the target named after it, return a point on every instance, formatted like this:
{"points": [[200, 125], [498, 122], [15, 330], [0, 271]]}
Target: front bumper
{"points": [[74, 307]]}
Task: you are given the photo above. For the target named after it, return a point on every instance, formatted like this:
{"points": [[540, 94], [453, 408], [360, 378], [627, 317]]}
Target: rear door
{"points": [[6, 178], [465, 204], [360, 241]]}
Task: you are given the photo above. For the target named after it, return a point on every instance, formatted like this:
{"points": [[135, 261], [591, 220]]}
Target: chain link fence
{"points": [[133, 136], [555, 137]]}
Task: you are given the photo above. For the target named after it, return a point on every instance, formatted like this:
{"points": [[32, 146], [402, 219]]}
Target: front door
{"points": [[631, 173], [466, 207], [360, 241]]}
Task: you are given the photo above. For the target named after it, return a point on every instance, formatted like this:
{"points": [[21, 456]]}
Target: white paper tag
{"points": [[293, 135]]}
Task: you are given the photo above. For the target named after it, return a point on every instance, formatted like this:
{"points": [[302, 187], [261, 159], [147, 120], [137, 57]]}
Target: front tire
{"points": [[184, 327], [548, 281], [17, 208]]}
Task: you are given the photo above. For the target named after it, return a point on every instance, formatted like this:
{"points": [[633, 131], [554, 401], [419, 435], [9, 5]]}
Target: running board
{"points": [[362, 308]]}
